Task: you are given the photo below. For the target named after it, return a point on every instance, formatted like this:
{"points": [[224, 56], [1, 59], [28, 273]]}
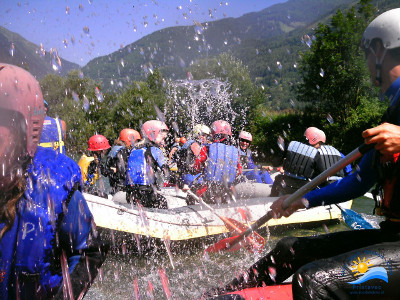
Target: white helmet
{"points": [[244, 135], [385, 27], [200, 129]]}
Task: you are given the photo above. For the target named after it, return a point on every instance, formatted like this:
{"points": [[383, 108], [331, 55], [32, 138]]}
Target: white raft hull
{"points": [[195, 221]]}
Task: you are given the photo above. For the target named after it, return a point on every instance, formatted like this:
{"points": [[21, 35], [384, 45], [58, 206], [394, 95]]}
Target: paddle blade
{"points": [[355, 220], [253, 243]]}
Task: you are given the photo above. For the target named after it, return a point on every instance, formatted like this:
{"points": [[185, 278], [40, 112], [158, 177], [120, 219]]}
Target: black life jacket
{"points": [[328, 156], [186, 157], [300, 160]]}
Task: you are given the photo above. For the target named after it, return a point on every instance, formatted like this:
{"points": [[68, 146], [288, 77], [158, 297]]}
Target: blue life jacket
{"points": [[52, 135], [29, 251], [245, 159], [142, 165], [114, 150], [221, 164]]}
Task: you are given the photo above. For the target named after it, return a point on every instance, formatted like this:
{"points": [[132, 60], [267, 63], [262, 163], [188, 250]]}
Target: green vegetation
{"points": [[310, 77]]}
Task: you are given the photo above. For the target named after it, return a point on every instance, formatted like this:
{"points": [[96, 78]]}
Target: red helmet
{"points": [[182, 140], [221, 127], [314, 135], [244, 135], [20, 93], [129, 135], [155, 131], [98, 142]]}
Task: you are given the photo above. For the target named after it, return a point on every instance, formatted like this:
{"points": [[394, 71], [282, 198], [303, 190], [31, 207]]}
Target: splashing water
{"points": [[99, 94], [165, 283], [281, 143], [55, 59], [202, 101], [12, 49], [329, 118]]}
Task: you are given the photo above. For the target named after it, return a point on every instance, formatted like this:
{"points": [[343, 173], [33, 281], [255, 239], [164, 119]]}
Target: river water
{"points": [[126, 275]]}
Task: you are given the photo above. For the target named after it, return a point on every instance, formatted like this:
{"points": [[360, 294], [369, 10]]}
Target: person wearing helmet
{"points": [[53, 132], [218, 164], [117, 159], [305, 162], [144, 163], [45, 222], [188, 153], [323, 267], [92, 166], [250, 170], [327, 155]]}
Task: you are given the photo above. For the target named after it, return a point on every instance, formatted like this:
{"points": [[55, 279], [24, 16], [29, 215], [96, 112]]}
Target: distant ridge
{"points": [[173, 49], [16, 50]]}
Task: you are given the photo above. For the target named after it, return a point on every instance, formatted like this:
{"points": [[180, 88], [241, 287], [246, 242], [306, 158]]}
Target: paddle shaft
{"points": [[224, 219], [356, 153]]}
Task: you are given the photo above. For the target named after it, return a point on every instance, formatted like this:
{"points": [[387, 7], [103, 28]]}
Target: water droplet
{"points": [[281, 143], [358, 177], [326, 229], [321, 73], [272, 273], [55, 59], [283, 183], [67, 9], [257, 52], [292, 103], [279, 65], [305, 202], [81, 7], [65, 42], [122, 63], [300, 280], [307, 40], [329, 118], [86, 30], [295, 65], [12, 49], [99, 94]]}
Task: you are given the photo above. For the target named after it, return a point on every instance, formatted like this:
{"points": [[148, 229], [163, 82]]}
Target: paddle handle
{"points": [[356, 153]]}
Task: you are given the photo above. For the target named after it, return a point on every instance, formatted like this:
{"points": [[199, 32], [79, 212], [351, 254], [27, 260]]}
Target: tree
{"points": [[333, 71]]}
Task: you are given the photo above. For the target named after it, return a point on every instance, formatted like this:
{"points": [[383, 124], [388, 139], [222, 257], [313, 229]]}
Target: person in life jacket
{"points": [[305, 162], [93, 166], [325, 266], [250, 170], [218, 164], [144, 165], [117, 159], [47, 233], [188, 153], [53, 132]]}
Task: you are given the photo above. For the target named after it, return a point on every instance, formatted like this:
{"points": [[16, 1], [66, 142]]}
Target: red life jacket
{"points": [[389, 186]]}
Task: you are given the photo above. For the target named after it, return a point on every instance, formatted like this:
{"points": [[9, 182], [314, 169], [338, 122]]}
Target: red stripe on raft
{"points": [[278, 292]]}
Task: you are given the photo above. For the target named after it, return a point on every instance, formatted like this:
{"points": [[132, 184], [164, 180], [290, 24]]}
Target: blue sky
{"points": [[83, 30]]}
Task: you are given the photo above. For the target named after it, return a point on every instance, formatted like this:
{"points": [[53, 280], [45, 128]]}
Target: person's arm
{"points": [[350, 187], [81, 244], [385, 136]]}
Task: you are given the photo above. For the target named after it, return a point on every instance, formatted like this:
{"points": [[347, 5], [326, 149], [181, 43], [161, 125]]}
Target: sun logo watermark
{"points": [[365, 273], [360, 266]]}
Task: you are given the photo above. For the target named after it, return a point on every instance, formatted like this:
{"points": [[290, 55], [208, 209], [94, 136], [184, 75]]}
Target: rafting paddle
{"points": [[253, 243], [353, 219], [356, 153]]}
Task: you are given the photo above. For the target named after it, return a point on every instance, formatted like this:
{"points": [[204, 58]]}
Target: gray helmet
{"points": [[385, 27]]}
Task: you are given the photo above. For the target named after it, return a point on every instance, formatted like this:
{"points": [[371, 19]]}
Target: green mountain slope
{"points": [[174, 49], [14, 49]]}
